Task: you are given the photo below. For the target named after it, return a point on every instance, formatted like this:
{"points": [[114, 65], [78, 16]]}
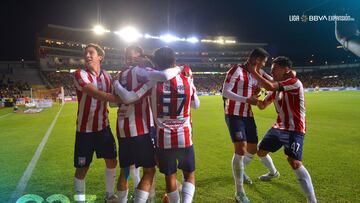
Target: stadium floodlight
{"points": [[99, 30], [169, 38], [148, 36], [192, 40], [129, 34]]}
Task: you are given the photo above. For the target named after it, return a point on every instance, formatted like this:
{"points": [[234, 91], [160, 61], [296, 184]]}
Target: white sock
{"points": [[174, 197], [110, 176], [188, 191], [141, 196], [268, 163], [135, 175], [238, 172], [123, 196], [152, 188], [79, 187], [305, 182], [247, 158]]}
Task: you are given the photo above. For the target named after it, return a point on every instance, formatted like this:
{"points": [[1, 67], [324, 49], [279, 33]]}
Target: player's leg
{"points": [[171, 188], [236, 128], [186, 162], [82, 158], [105, 148], [270, 143], [125, 161], [293, 150], [135, 175], [168, 166], [145, 158], [252, 141]]}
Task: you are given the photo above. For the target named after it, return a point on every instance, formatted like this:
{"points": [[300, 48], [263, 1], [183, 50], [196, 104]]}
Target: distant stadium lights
{"points": [[169, 38], [192, 40], [147, 36], [99, 30], [129, 34], [230, 42]]}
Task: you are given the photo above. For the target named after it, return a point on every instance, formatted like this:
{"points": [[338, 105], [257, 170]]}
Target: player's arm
{"points": [[134, 95], [268, 85], [160, 76], [83, 83], [100, 95], [229, 85], [195, 101]]}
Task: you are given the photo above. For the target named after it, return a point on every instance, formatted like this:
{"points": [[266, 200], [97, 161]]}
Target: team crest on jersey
{"points": [[81, 161]]}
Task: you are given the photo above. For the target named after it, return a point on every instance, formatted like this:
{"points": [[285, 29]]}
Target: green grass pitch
{"points": [[331, 153]]}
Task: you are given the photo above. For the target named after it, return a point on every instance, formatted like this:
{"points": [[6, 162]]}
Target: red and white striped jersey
{"points": [[289, 105], [241, 83], [171, 103], [92, 115], [133, 119]]}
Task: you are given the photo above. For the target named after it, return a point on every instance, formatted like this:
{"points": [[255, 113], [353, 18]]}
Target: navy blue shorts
{"points": [[242, 129], [171, 159], [291, 140], [102, 142], [137, 150]]}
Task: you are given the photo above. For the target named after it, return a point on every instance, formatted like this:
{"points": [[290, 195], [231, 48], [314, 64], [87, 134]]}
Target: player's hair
{"points": [[259, 53], [135, 48], [98, 49], [283, 61], [164, 57]]}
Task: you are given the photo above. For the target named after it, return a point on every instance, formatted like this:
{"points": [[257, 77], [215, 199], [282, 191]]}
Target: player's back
{"points": [[133, 119], [171, 103]]}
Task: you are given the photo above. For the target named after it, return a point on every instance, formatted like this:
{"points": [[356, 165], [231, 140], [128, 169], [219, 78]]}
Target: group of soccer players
{"points": [[240, 91], [154, 124], [154, 98]]}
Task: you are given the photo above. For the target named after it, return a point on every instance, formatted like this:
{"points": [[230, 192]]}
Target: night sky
{"points": [[249, 21]]}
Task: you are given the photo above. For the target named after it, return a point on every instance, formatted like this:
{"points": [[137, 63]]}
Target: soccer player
{"points": [[134, 128], [171, 102], [289, 130], [240, 90], [93, 88]]}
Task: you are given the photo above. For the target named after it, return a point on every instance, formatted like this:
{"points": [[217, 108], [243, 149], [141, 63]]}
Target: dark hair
{"points": [[283, 61], [164, 57], [259, 53], [98, 49], [134, 48]]}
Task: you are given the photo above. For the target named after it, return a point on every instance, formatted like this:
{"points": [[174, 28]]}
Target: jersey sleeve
{"points": [[81, 79], [290, 85]]}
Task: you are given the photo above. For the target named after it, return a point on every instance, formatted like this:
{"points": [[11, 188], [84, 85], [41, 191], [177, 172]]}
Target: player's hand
{"points": [[291, 74], [253, 100], [257, 91]]}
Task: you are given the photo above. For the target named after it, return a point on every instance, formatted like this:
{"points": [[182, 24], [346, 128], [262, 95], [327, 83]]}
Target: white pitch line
{"points": [[3, 116], [27, 174]]}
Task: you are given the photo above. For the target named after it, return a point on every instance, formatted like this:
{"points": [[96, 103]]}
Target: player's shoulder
{"points": [[293, 81], [235, 69], [186, 71]]}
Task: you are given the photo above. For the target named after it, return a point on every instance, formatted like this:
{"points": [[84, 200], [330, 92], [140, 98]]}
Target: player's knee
{"points": [[295, 164], [149, 171], [80, 173], [189, 177], [261, 153], [252, 149], [240, 148], [111, 163]]}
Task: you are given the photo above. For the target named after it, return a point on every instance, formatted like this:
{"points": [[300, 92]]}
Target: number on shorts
{"points": [[295, 147]]}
